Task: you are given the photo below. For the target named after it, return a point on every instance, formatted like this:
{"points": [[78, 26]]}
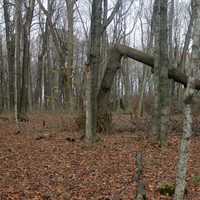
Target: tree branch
{"points": [[54, 33]]}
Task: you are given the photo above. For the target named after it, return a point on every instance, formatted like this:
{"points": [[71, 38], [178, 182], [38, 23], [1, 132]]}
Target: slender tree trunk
{"points": [[70, 56], [30, 92], [187, 128], [104, 44], [140, 109], [146, 71], [184, 153], [182, 63], [156, 117], [18, 4], [171, 47]]}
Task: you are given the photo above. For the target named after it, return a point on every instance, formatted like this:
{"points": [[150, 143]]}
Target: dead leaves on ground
{"points": [[60, 166]]}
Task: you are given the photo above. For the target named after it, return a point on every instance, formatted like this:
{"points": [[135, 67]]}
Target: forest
{"points": [[99, 99]]}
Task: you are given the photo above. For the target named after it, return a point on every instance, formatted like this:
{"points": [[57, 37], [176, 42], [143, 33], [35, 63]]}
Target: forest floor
{"points": [[47, 160]]}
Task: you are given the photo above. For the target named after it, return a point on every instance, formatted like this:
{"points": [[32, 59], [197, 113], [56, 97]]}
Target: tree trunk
{"points": [[1, 76], [18, 4], [24, 100], [140, 193], [10, 51], [163, 79], [188, 96], [26, 61], [92, 70], [70, 56], [171, 47], [104, 111]]}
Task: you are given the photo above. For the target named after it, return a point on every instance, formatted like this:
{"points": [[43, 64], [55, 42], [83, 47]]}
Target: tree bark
{"points": [[70, 56], [188, 96], [10, 51], [141, 193], [163, 77], [115, 54], [18, 4], [104, 111], [24, 101], [1, 77], [92, 70]]}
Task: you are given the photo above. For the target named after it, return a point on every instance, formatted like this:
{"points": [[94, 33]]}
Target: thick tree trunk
{"points": [[24, 100], [10, 51], [93, 70], [104, 111], [163, 78], [25, 76]]}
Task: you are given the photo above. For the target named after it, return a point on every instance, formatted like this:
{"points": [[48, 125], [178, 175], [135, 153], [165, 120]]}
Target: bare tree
{"points": [[9, 24], [18, 5], [188, 96], [24, 100], [92, 70], [70, 56]]}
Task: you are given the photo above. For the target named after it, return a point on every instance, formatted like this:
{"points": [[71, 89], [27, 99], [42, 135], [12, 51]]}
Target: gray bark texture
{"points": [[24, 100], [163, 79], [92, 70], [10, 50], [18, 4], [188, 96], [70, 56]]}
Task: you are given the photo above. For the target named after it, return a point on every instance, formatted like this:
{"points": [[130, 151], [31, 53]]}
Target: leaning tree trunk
{"points": [[182, 63], [184, 148], [104, 112], [187, 128]]}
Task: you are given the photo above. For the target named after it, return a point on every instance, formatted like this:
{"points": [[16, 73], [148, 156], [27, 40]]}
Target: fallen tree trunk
{"points": [[115, 54], [144, 58]]}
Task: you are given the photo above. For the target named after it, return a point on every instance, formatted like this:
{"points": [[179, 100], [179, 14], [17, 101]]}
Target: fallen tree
{"points": [[115, 54]]}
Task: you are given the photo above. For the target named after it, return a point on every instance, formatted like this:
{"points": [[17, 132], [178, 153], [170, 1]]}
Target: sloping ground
{"points": [[48, 161]]}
